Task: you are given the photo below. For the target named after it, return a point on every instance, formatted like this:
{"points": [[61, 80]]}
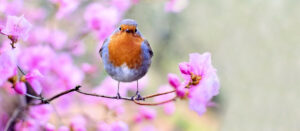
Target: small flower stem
{"points": [[34, 97], [159, 94], [23, 73], [154, 104]]}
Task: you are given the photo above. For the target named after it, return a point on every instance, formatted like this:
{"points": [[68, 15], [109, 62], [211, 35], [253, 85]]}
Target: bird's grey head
{"points": [[128, 26], [130, 22]]}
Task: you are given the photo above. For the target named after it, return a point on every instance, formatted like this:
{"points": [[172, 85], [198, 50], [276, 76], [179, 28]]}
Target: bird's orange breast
{"points": [[125, 48]]}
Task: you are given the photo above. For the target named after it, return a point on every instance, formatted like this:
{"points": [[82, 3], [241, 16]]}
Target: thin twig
{"points": [[61, 94], [13, 118], [34, 97], [154, 104], [159, 94], [47, 101], [21, 70], [104, 96]]}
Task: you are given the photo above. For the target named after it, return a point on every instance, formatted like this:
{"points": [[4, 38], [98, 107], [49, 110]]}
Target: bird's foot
{"points": [[118, 96], [137, 96]]}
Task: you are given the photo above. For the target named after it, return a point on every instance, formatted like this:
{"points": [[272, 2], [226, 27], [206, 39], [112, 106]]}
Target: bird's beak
{"points": [[127, 30]]}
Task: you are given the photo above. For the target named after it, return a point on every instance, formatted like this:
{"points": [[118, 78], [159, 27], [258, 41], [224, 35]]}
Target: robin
{"points": [[126, 55]]}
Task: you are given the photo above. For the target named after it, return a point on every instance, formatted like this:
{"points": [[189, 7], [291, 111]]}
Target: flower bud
{"points": [[181, 92], [184, 68], [173, 80], [34, 74], [20, 88]]}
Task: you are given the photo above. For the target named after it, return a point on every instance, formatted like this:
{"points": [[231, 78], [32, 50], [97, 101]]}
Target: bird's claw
{"points": [[137, 96], [118, 96]]}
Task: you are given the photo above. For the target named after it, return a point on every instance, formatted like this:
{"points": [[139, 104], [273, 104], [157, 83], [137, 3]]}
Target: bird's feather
{"points": [[149, 47], [100, 51]]}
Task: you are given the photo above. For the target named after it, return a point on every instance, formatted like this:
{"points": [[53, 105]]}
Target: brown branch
{"points": [[104, 96], [47, 101], [133, 99], [61, 94]]}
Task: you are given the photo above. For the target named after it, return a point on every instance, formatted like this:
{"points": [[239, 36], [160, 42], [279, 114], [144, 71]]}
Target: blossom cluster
{"points": [[39, 57]]}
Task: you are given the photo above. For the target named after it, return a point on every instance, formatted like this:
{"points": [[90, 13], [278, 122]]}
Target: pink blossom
{"points": [[13, 7], [7, 66], [1, 27], [36, 85], [20, 88], [184, 68], [4, 117], [119, 126], [175, 5], [78, 48], [34, 78], [65, 7], [201, 82], [38, 35], [115, 126], [37, 57], [145, 113], [102, 19], [138, 118], [122, 5], [57, 39], [174, 80], [78, 124], [3, 4], [34, 74], [103, 126], [208, 88], [36, 14], [88, 68], [41, 113], [69, 75], [17, 27], [181, 91], [169, 108], [49, 127], [28, 125], [201, 94], [148, 128], [63, 128]]}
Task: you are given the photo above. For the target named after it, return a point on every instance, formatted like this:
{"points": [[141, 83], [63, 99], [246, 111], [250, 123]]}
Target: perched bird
{"points": [[126, 55]]}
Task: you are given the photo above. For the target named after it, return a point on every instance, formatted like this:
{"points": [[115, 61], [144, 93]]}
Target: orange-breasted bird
{"points": [[126, 55]]}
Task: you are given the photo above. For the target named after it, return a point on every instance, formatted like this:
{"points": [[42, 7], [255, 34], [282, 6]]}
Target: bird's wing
{"points": [[149, 48], [100, 51]]}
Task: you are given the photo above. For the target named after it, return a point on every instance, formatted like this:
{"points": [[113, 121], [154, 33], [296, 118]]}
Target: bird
{"points": [[126, 55]]}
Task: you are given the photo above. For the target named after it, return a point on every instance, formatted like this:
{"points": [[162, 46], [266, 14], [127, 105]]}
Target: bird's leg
{"points": [[118, 94], [139, 97]]}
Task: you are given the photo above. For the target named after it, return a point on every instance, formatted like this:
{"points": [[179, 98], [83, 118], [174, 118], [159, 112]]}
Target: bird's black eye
{"points": [[120, 28], [135, 30]]}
